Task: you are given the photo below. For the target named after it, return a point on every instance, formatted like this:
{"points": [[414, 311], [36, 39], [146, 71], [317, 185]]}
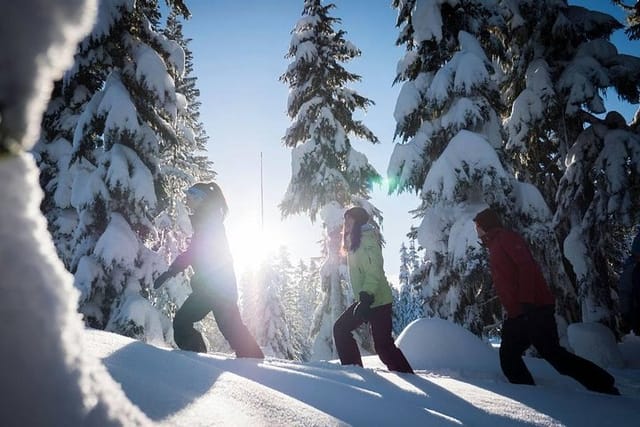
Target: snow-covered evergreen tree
{"points": [[633, 18], [558, 62], [269, 321], [403, 282], [413, 253], [441, 61], [183, 159], [396, 319], [405, 266], [557, 67], [633, 32], [534, 73], [336, 296], [53, 155], [448, 114], [296, 301], [408, 300], [122, 83], [403, 276], [182, 163], [326, 167], [298, 310], [599, 198], [327, 172], [449, 95], [309, 294]]}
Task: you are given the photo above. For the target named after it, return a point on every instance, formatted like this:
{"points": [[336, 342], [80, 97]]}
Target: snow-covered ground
{"points": [[458, 382]]}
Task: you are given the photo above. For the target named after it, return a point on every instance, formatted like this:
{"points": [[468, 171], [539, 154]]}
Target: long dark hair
{"points": [[360, 217]]}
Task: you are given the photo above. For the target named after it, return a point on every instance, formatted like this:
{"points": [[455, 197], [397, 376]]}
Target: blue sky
{"points": [[239, 52]]}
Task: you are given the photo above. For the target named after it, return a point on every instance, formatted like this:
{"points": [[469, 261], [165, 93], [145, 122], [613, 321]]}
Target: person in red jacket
{"points": [[529, 306], [213, 282]]}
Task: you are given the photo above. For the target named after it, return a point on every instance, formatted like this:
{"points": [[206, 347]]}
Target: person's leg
{"points": [[544, 337], [345, 343], [392, 356], [625, 297], [234, 330], [634, 312], [194, 309], [513, 344]]}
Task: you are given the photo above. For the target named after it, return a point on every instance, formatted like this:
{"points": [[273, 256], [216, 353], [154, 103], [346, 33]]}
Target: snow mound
{"points": [[630, 350], [437, 344], [595, 342]]}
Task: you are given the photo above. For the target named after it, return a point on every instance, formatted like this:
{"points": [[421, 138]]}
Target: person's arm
{"points": [[356, 275], [374, 269], [181, 262]]}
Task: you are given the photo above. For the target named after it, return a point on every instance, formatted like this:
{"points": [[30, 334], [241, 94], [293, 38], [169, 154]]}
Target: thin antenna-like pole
{"points": [[261, 196]]}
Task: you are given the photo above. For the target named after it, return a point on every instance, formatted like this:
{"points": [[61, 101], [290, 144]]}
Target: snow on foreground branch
{"points": [[48, 378]]}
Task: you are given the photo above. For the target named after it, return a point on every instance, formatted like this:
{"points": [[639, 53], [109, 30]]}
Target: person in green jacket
{"points": [[369, 283]]}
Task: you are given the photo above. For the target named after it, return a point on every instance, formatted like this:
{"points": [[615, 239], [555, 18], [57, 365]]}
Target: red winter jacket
{"points": [[516, 274]]}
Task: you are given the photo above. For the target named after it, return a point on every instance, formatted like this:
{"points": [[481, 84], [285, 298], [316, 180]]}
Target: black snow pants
{"points": [[634, 312], [227, 316], [380, 321], [538, 328]]}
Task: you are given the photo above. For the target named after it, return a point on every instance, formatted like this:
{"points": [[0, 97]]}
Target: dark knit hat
{"points": [[488, 219], [211, 197], [359, 214]]}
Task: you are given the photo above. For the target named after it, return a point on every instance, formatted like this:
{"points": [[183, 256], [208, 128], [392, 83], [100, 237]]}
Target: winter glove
{"points": [[161, 279], [362, 310]]}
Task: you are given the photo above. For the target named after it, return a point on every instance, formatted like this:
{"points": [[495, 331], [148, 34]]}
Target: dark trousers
{"points": [[227, 316], [380, 321], [634, 312], [538, 328]]}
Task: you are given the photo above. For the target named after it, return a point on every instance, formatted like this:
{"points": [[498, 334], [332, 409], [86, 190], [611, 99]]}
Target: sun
{"points": [[250, 245]]}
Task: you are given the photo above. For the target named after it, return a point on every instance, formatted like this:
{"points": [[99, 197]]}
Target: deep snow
{"points": [[458, 382]]}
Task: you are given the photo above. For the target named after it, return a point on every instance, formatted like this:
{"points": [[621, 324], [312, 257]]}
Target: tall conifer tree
{"points": [[328, 173], [558, 65], [182, 163], [599, 196], [408, 300], [53, 155], [120, 112], [272, 326], [633, 17], [449, 117]]}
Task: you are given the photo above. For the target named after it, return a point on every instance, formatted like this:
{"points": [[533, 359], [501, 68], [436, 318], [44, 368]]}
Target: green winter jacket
{"points": [[366, 269]]}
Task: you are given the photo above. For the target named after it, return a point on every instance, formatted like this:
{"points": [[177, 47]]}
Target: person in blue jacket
{"points": [[213, 282]]}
